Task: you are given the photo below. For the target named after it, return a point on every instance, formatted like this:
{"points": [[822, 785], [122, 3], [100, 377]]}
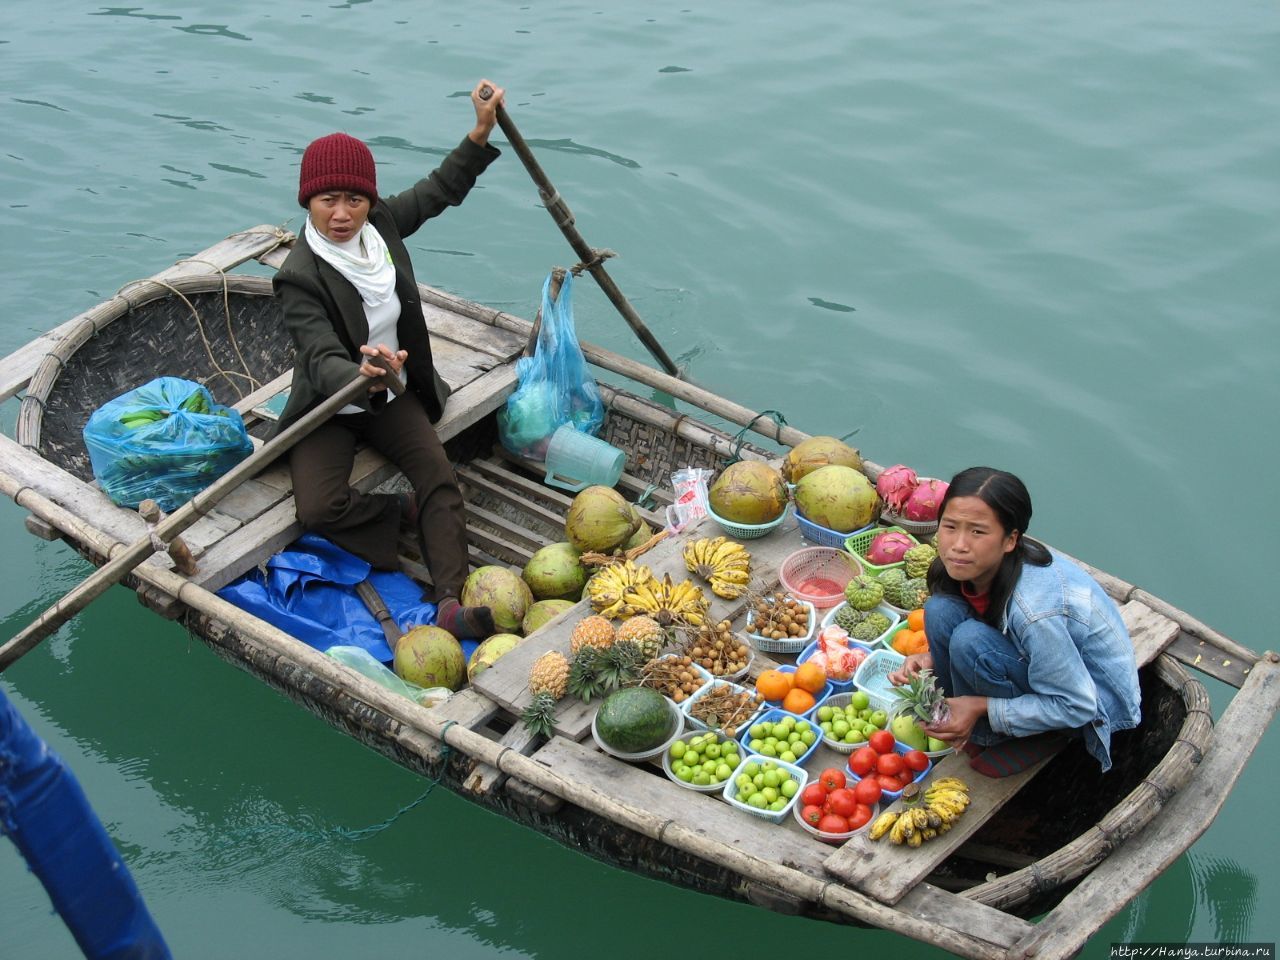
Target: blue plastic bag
{"points": [[167, 440], [555, 387]]}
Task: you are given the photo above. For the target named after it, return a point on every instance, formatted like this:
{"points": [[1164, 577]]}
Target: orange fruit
{"points": [[811, 677], [798, 701], [920, 643], [902, 642], [915, 619], [773, 684]]}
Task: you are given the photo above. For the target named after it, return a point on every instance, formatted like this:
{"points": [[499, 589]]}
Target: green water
{"points": [[1041, 236]]}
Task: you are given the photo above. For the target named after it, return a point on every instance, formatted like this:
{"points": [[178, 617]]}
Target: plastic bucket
{"points": [[578, 460]]}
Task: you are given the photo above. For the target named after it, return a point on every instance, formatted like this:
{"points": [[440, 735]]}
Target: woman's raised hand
{"points": [[486, 110], [388, 360], [913, 665]]}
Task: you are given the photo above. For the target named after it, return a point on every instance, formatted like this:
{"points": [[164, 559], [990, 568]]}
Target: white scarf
{"points": [[372, 274]]}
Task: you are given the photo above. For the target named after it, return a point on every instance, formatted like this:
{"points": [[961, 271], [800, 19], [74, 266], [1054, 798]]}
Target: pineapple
{"points": [[645, 633], [548, 679], [594, 631], [923, 697]]}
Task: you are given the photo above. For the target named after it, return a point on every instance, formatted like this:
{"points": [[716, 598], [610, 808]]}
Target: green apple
{"points": [[701, 779], [743, 782], [677, 750], [788, 756], [751, 769], [779, 805], [860, 700], [758, 801], [879, 718], [789, 788], [723, 772], [906, 730], [934, 744], [825, 714], [855, 736]]}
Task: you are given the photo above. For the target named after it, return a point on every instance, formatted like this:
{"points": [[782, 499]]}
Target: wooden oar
{"points": [[563, 217], [118, 567]]}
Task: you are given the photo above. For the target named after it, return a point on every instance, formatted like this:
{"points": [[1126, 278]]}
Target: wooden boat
{"points": [[1061, 842]]}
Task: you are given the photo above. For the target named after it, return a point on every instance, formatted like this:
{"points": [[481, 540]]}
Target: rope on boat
{"points": [[601, 255], [740, 438]]}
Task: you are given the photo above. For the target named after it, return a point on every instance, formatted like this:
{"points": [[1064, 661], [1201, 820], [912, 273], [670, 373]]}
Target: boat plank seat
{"points": [[887, 872], [506, 682]]}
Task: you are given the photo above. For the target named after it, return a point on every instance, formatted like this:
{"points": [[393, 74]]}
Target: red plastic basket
{"points": [[818, 574]]}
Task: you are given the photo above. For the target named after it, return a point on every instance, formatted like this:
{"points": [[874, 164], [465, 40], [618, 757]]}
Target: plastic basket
{"points": [[837, 686], [826, 565], [798, 774], [749, 531], [859, 543], [825, 536], [873, 678], [702, 675], [699, 788], [791, 644], [918, 528], [886, 609], [679, 719], [695, 724], [832, 838], [773, 716], [840, 701], [891, 795]]}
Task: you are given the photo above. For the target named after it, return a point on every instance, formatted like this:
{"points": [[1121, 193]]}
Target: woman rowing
{"points": [[350, 302], [1029, 650]]}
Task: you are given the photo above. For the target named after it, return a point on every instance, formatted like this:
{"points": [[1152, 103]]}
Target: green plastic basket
{"points": [[859, 543]]}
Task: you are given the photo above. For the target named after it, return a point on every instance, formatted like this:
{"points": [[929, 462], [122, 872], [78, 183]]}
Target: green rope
{"points": [[740, 438], [645, 499]]}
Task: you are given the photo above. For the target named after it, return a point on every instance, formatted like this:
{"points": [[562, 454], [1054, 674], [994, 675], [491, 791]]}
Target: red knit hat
{"points": [[337, 162]]}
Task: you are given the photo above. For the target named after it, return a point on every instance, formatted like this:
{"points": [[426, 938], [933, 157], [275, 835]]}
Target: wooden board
{"points": [[1150, 632], [506, 682]]}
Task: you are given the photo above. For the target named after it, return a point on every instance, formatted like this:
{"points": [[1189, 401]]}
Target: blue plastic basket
{"points": [[826, 691], [825, 536], [837, 686], [773, 716], [891, 795]]}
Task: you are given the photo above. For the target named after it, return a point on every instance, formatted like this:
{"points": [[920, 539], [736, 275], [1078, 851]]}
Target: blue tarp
{"points": [[46, 814], [309, 591]]}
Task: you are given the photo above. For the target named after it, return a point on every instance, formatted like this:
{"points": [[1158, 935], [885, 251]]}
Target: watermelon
{"points": [[634, 719]]}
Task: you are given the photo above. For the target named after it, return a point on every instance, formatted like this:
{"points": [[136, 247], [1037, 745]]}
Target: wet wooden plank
{"points": [[1150, 632]]}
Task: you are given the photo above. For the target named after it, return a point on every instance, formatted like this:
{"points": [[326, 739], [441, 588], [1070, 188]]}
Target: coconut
{"points": [[837, 497], [808, 455], [554, 572], [749, 492], [642, 534], [599, 519], [543, 612], [430, 657], [487, 654], [502, 591]]}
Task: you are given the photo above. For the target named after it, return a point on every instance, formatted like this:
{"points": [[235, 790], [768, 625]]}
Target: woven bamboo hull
{"points": [[1071, 828]]}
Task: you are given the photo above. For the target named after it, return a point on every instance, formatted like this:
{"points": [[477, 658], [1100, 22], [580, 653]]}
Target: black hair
{"points": [[1008, 498]]}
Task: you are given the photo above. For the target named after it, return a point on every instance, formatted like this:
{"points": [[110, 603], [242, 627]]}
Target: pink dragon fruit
{"points": [[924, 502], [889, 547], [895, 486]]}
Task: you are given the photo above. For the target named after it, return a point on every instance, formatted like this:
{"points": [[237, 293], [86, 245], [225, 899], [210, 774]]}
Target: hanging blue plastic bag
{"points": [[167, 440], [555, 387]]}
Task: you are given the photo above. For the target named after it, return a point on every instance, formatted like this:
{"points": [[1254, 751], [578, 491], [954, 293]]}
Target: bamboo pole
{"points": [[563, 217], [119, 566]]}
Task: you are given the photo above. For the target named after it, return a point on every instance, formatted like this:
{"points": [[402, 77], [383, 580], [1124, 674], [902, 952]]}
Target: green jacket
{"points": [[325, 316]]}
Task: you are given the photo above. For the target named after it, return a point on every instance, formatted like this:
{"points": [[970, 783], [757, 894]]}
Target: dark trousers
{"points": [[367, 524]]}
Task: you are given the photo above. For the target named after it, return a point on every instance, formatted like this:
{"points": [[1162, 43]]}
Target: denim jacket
{"points": [[1079, 656]]}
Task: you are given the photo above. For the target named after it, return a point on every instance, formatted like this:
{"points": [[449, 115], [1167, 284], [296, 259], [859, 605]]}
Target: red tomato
{"points": [[832, 778], [915, 760], [842, 802], [814, 795], [887, 783], [905, 777], [868, 791], [881, 741], [862, 761], [890, 764], [811, 815], [833, 823], [860, 816]]}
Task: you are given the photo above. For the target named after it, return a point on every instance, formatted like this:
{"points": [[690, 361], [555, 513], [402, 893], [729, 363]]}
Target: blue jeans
{"points": [[972, 659]]}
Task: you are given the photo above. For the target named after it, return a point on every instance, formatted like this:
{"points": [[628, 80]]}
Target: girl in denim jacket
{"points": [[1027, 647]]}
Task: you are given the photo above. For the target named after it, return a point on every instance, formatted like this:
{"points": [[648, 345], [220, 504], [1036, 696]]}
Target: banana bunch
{"points": [[944, 803], [667, 602], [609, 587], [724, 564]]}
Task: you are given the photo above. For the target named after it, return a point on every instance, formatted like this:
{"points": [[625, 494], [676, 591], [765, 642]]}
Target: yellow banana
{"points": [[882, 825], [915, 840]]}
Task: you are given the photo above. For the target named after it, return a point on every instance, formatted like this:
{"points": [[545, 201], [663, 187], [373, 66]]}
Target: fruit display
{"points": [[430, 657], [901, 591], [837, 497], [674, 676], [884, 761], [829, 807], [781, 735], [888, 547], [794, 690], [645, 633], [865, 626], [850, 723], [925, 501], [863, 592], [548, 682], [488, 653], [503, 591], [906, 494], [598, 670], [719, 651], [724, 706], [816, 452], [599, 519], [592, 631], [895, 485], [555, 573], [834, 655], [780, 616], [749, 492], [724, 564], [943, 803], [634, 719], [908, 641], [924, 699], [703, 760], [541, 613], [764, 785], [608, 588]]}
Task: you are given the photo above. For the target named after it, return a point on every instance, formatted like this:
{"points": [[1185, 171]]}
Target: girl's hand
{"points": [[486, 111], [965, 713], [913, 665], [387, 361]]}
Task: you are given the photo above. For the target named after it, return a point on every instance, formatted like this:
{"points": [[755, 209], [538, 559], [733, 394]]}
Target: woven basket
{"points": [[818, 563], [859, 543], [749, 531]]}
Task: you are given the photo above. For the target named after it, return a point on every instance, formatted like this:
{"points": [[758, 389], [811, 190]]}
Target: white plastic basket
{"points": [[695, 724], [832, 838], [873, 678], [790, 645], [839, 701], [708, 788]]}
